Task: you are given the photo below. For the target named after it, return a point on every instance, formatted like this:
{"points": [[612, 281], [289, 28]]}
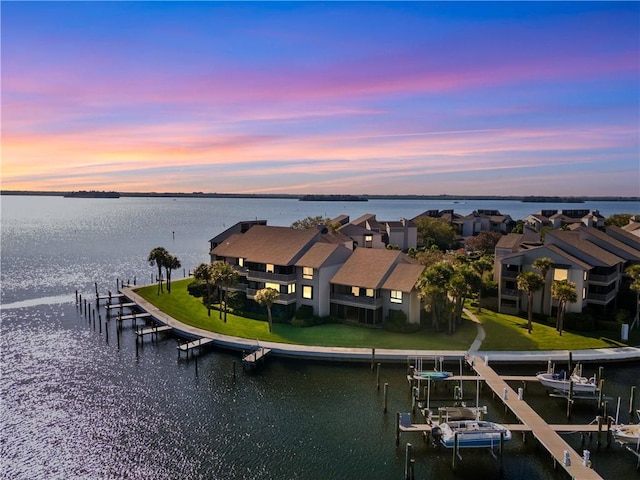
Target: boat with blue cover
{"points": [[470, 434]]}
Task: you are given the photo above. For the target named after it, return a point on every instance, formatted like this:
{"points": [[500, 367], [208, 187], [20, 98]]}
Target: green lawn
{"points": [[503, 332], [190, 310], [509, 332]]}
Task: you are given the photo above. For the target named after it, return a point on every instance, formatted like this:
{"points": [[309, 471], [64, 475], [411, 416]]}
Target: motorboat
{"points": [[561, 382], [470, 434], [433, 375], [627, 434]]}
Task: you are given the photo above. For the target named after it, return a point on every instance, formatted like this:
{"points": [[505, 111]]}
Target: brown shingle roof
{"points": [[588, 248], [318, 254], [264, 244], [368, 267], [404, 277]]}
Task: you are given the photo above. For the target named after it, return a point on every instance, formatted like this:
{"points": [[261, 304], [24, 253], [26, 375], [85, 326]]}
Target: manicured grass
{"points": [[509, 332], [190, 310]]}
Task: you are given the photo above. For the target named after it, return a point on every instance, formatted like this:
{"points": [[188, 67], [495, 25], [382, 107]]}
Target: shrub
{"points": [[197, 288], [397, 322], [304, 312], [579, 322]]}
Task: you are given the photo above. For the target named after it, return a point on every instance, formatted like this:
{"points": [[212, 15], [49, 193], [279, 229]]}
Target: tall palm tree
{"points": [[157, 257], [171, 263], [530, 282], [482, 265], [544, 265], [433, 286], [634, 272], [266, 297], [463, 282], [217, 271], [564, 291], [227, 277], [204, 272]]}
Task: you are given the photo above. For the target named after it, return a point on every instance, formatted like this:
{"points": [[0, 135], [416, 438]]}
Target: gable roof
{"points": [[404, 277], [634, 253], [368, 267], [264, 244], [585, 247], [319, 254]]}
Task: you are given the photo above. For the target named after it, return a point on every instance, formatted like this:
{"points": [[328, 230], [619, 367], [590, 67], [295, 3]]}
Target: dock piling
{"points": [[386, 392], [631, 403], [378, 377]]}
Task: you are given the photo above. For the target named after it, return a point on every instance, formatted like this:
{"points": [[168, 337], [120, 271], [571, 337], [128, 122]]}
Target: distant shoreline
{"points": [[524, 198]]}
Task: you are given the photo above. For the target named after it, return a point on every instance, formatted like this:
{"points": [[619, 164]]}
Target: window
{"points": [[275, 286], [368, 238], [307, 291], [269, 268], [370, 292], [291, 288], [396, 296], [355, 291], [584, 293], [241, 262], [307, 273], [560, 274]]}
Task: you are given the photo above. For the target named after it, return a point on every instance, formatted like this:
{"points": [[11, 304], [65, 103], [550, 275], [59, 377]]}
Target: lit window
{"points": [[370, 292], [355, 291], [307, 273], [584, 293], [275, 286], [560, 274], [585, 276], [241, 262], [368, 238], [269, 268], [291, 288], [307, 291], [396, 296]]}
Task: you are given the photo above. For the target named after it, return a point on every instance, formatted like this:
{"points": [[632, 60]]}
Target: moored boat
{"points": [[471, 434], [562, 382], [627, 434]]}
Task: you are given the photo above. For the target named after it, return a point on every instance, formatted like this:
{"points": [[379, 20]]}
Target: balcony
{"points": [[283, 298], [273, 277], [509, 274], [509, 292], [603, 279], [360, 301], [242, 271], [601, 298]]}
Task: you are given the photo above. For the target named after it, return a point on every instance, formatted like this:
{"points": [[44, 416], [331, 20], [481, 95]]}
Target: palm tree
{"points": [[204, 272], [544, 265], [634, 272], [482, 265], [463, 281], [171, 263], [157, 257], [530, 282], [564, 291], [217, 268], [433, 286], [228, 277], [265, 297]]}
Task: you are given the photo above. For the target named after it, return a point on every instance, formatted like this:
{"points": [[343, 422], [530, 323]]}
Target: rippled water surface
{"points": [[79, 400]]}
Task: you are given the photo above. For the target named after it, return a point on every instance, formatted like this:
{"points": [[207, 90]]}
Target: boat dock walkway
{"points": [[560, 450], [133, 316], [151, 330], [252, 359], [120, 305], [190, 346]]}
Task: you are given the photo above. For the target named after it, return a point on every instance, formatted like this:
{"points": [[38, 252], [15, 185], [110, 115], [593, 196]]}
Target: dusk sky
{"points": [[505, 98]]}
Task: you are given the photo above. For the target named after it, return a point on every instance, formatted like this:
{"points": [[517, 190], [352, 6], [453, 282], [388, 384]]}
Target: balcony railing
{"points": [[274, 277], [241, 270], [606, 279], [283, 298], [509, 274], [360, 301], [601, 298], [509, 292]]}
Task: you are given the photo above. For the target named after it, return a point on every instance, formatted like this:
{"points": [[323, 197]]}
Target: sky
{"points": [[425, 98]]}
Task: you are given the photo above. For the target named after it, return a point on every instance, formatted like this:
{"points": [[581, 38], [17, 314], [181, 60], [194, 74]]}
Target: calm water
{"points": [[74, 405]]}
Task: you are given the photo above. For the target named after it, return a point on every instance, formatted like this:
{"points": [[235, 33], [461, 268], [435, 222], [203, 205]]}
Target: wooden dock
{"points": [[562, 453], [114, 306], [190, 346], [133, 316], [151, 330], [252, 359]]}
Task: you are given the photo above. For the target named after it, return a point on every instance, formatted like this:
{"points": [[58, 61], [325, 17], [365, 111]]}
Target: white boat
{"points": [[471, 434], [627, 434], [561, 382]]}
